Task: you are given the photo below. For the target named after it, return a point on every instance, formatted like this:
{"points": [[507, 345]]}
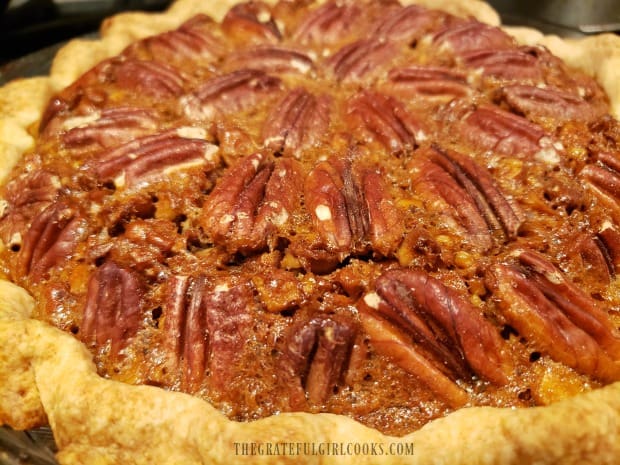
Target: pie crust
{"points": [[47, 376]]}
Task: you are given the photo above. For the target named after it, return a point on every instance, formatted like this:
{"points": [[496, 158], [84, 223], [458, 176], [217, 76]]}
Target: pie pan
{"points": [[50, 377]]}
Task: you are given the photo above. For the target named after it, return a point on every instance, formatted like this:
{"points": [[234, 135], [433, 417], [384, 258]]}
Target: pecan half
{"points": [[490, 128], [545, 307], [385, 119], [603, 179], [229, 326], [251, 21], [597, 254], [328, 23], [352, 208], [113, 307], [192, 41], [450, 332], [427, 81], [466, 36], [470, 190], [107, 128], [511, 64], [609, 239], [230, 93], [25, 197], [51, 239], [594, 258], [408, 24], [272, 59], [34, 189], [205, 329], [98, 87], [316, 356], [396, 346], [252, 203], [185, 328], [358, 60], [533, 102], [158, 80], [299, 121], [154, 157]]}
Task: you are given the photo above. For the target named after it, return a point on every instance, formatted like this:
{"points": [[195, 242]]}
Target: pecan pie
{"points": [[236, 218]]}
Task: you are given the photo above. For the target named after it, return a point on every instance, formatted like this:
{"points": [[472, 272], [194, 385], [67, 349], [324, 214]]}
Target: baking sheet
{"points": [[34, 447]]}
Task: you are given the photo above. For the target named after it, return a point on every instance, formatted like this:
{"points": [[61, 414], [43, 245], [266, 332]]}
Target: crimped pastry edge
{"points": [[48, 376]]}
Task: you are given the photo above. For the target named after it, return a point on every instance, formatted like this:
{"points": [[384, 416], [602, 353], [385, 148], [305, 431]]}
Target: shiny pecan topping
{"points": [[433, 332], [251, 21], [328, 23], [154, 157], [466, 36], [512, 64], [534, 102], [272, 59], [360, 59], [408, 24], [252, 203], [352, 208], [107, 128], [51, 239], [299, 121], [555, 315], [316, 356], [385, 119], [471, 192], [230, 93], [427, 81], [192, 41], [114, 302], [493, 129], [159, 80]]}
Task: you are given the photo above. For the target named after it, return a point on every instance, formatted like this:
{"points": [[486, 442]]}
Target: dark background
{"points": [[29, 25]]}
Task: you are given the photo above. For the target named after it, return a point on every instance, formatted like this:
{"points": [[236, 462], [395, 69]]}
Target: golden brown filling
{"points": [[380, 211]]}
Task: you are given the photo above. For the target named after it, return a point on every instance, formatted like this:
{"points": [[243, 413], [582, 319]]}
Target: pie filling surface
{"points": [[369, 209]]}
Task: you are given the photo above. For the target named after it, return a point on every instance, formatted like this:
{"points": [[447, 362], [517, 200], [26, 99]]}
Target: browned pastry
{"points": [[389, 213]]}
